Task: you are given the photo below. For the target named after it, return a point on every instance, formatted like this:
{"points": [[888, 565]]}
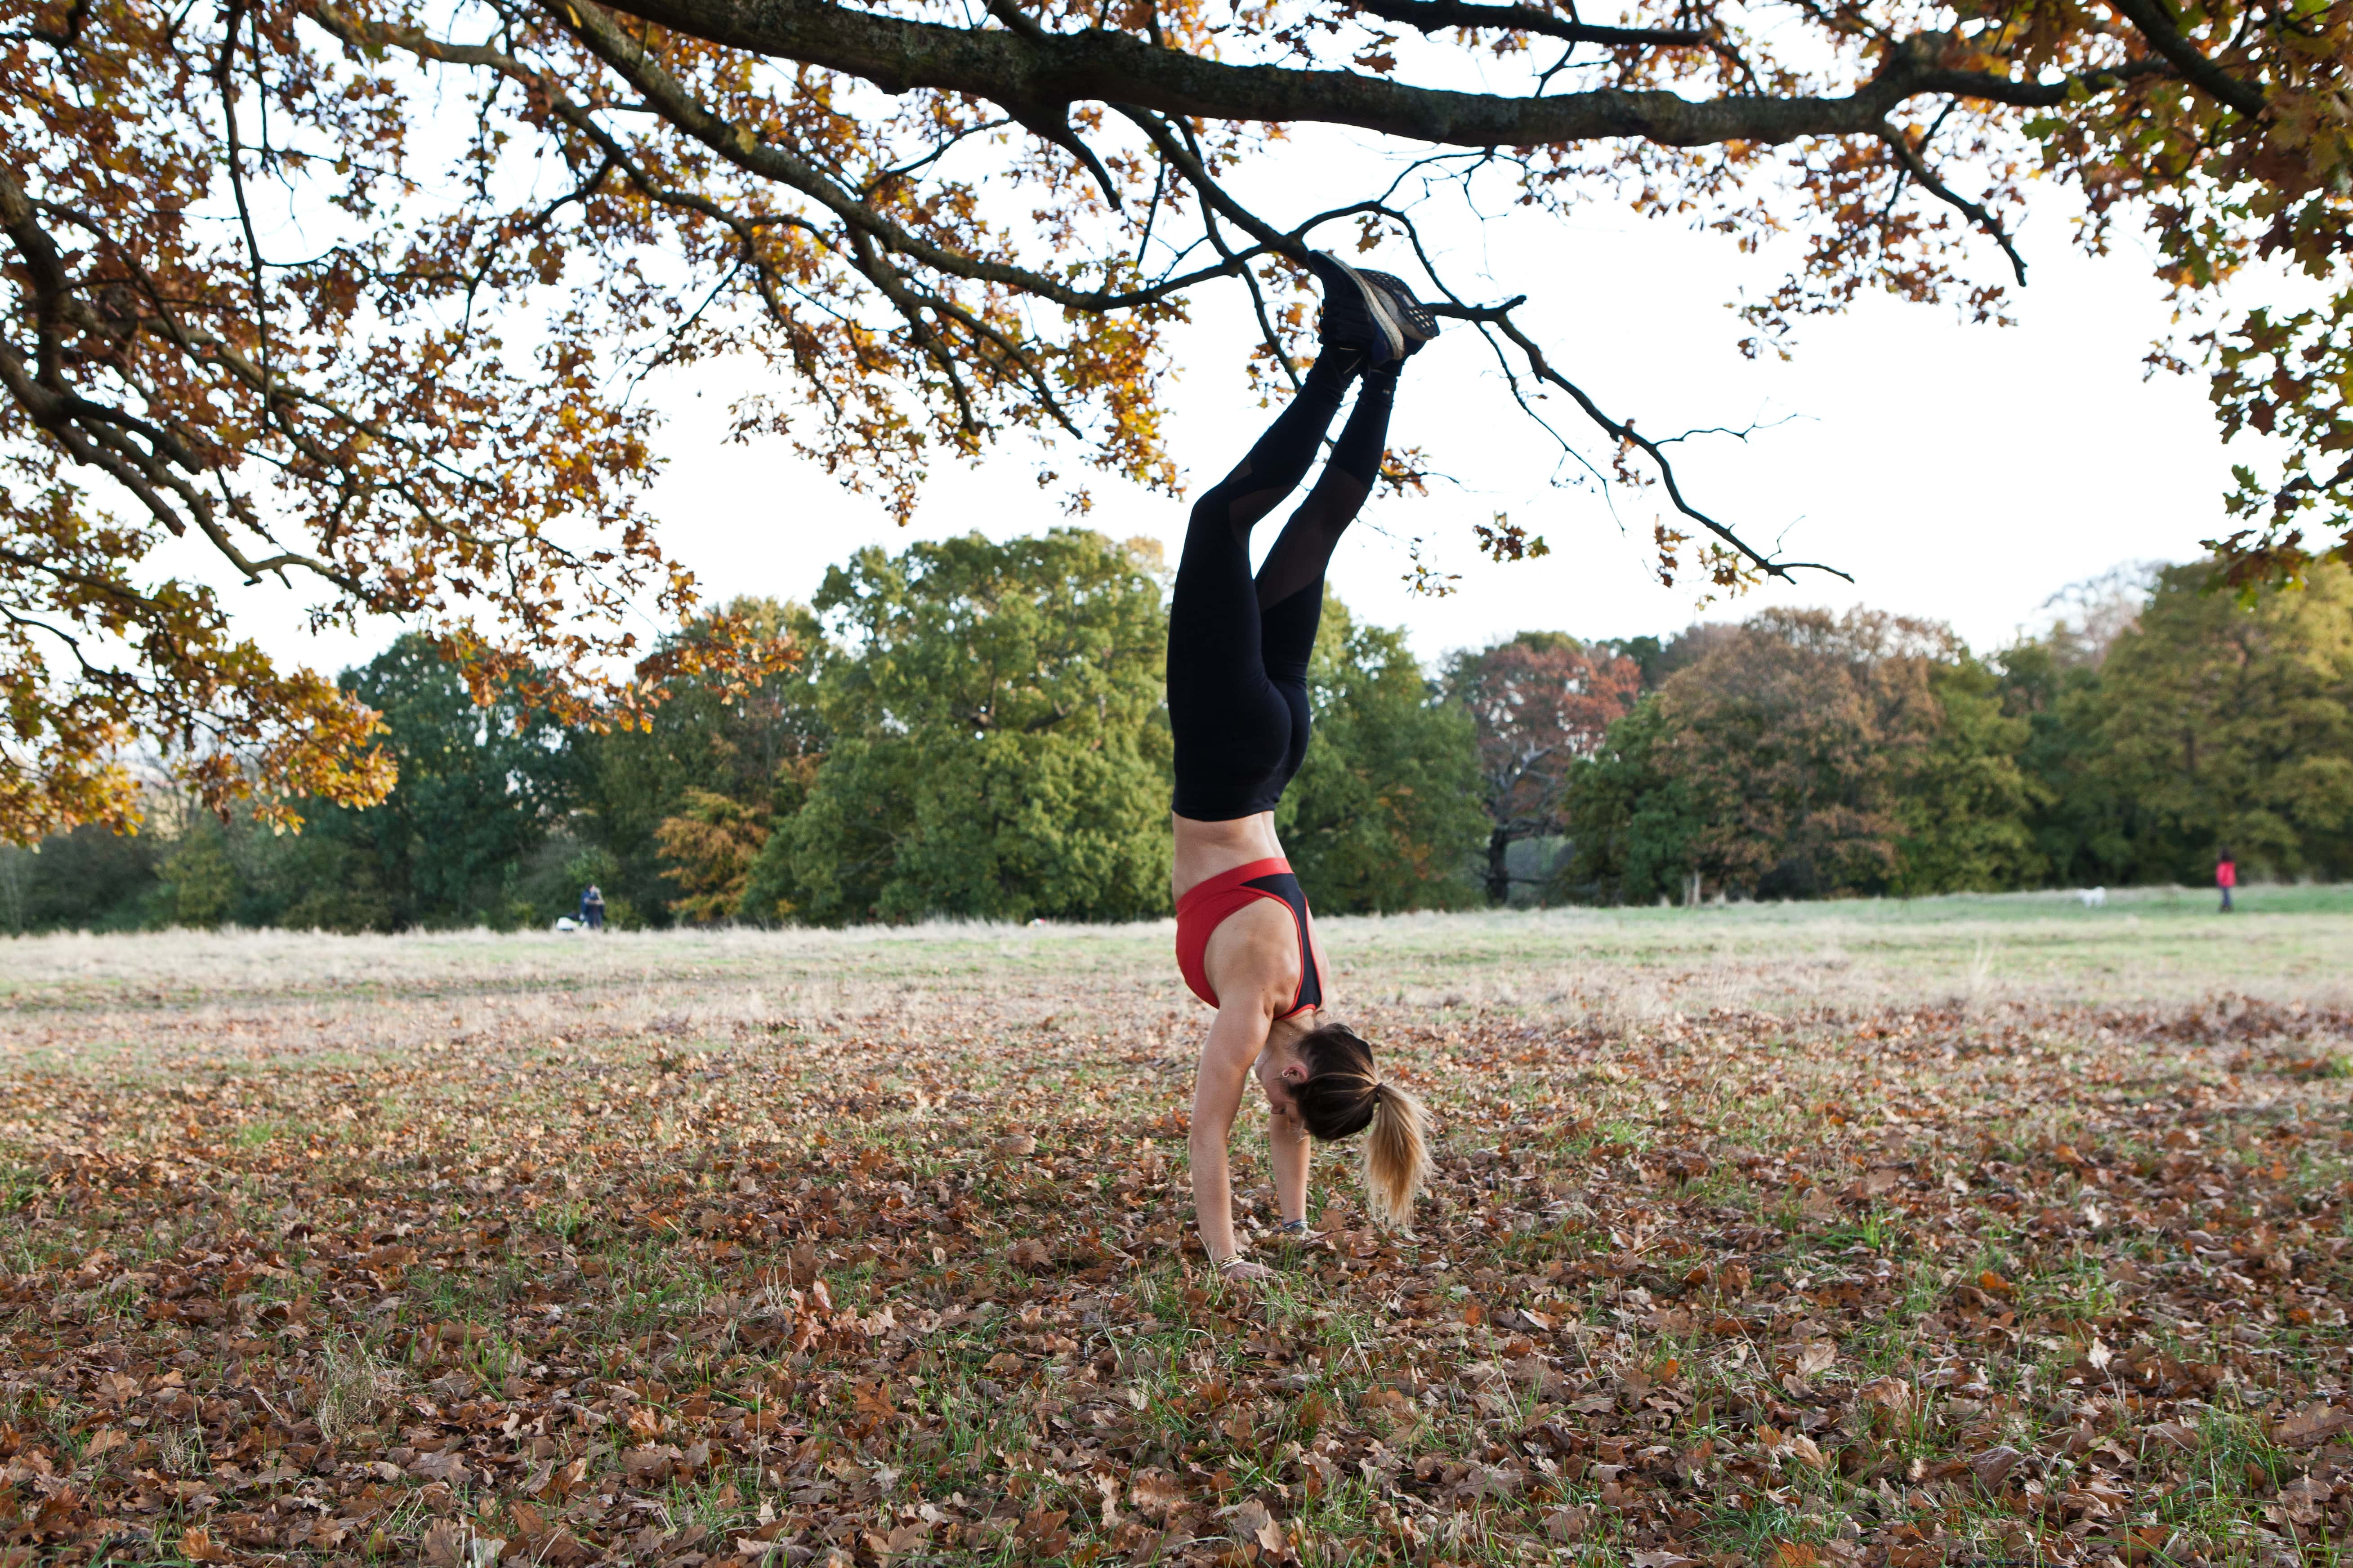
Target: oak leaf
{"points": [[443, 1544], [1153, 1492], [2316, 1422], [197, 1545]]}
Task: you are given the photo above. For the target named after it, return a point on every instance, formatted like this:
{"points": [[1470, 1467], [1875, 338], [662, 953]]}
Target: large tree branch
{"points": [[1435, 16], [2149, 16], [1023, 68], [738, 145]]}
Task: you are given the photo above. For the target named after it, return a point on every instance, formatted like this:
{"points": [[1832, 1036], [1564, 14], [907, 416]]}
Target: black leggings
{"points": [[1238, 647]]}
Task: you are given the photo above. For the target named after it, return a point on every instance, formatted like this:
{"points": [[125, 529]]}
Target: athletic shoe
{"points": [[1357, 314], [1412, 317]]}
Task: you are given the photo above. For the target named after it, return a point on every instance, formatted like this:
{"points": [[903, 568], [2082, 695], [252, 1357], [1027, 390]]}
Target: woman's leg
{"points": [[1232, 728], [1290, 587]]}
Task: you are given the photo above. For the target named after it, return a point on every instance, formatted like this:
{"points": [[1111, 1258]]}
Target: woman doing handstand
{"points": [[1238, 652]]}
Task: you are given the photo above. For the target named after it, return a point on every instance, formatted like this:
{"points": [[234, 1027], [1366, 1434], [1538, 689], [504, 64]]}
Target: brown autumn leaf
{"points": [[1892, 1395], [1567, 1524], [1153, 1492], [2305, 1500], [1805, 1451], [1253, 1524], [2316, 1422], [1993, 1466], [647, 1466], [906, 1540], [442, 1545], [197, 1545], [1042, 1531]]}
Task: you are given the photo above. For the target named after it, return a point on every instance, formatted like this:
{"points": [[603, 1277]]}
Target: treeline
{"points": [[977, 730], [1800, 755]]}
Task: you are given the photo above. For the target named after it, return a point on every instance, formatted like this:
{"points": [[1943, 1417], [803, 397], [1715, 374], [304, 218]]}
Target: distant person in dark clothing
{"points": [[2226, 877], [592, 908]]}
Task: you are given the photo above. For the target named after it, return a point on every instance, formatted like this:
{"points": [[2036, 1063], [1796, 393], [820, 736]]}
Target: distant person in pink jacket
{"points": [[2226, 877]]}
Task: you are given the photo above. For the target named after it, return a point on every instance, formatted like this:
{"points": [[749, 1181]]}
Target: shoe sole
{"points": [[1377, 302], [1413, 317]]}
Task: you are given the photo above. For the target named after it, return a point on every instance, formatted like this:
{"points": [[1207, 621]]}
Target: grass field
{"points": [[1974, 1231]]}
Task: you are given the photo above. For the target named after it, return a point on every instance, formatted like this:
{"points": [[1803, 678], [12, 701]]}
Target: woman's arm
{"points": [[1235, 1040], [1287, 1151]]}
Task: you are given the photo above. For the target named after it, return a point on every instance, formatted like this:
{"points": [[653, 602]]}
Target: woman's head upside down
{"points": [[1338, 1093]]}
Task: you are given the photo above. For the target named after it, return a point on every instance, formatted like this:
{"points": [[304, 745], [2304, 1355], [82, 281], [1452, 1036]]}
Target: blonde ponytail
{"points": [[1342, 1096], [1396, 1157]]}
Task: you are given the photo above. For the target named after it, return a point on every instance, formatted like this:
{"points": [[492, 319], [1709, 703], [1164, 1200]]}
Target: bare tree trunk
{"points": [[1499, 870]]}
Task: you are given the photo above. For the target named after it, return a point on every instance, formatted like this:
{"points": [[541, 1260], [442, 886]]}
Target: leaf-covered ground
{"points": [[315, 1251]]}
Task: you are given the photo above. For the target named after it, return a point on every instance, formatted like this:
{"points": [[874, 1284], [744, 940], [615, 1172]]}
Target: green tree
{"points": [[201, 880], [1791, 732], [2084, 828], [754, 746], [1965, 803], [998, 744], [1631, 823], [1386, 813], [2229, 724], [479, 788], [95, 880], [711, 845]]}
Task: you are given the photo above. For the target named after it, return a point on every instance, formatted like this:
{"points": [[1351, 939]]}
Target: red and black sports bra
{"points": [[1206, 905]]}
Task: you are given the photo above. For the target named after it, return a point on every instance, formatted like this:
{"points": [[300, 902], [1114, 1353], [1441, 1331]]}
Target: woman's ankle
{"points": [[1335, 365]]}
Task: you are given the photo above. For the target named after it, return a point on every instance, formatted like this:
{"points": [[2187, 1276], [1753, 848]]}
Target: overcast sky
{"points": [[1961, 473]]}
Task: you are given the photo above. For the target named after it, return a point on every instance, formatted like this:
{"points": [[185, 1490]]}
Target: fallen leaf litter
{"points": [[1884, 1289]]}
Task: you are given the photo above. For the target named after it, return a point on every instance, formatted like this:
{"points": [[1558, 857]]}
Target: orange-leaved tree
{"points": [[356, 294], [1541, 703]]}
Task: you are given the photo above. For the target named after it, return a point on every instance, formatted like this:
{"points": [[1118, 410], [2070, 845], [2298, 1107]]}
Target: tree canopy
{"points": [[1802, 755], [1384, 812], [997, 749], [2202, 724], [1541, 703], [977, 731], [356, 294]]}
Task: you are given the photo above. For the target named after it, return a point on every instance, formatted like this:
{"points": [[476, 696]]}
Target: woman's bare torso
{"points": [[1255, 950], [1205, 848]]}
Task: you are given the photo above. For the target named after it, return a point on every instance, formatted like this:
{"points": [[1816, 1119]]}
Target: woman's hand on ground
{"points": [[1243, 1271]]}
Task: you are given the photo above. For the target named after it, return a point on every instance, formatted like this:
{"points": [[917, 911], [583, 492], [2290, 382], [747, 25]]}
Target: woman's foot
{"points": [[1357, 313], [1415, 322]]}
